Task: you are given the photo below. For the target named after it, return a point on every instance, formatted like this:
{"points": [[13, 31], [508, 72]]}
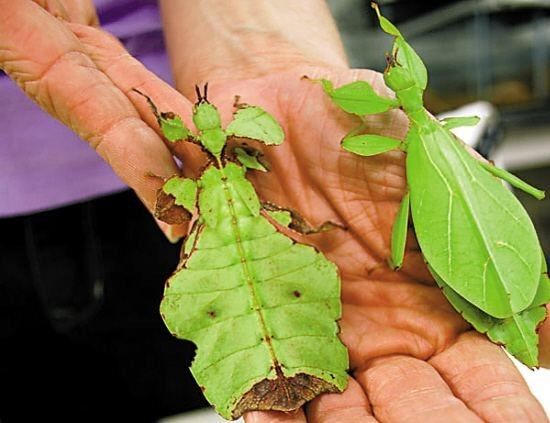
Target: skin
{"points": [[413, 358]]}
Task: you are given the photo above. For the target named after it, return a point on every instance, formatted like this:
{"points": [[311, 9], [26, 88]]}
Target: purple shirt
{"points": [[43, 164]]}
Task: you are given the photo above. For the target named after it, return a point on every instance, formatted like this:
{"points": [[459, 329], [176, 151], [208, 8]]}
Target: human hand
{"points": [[412, 357], [42, 54]]}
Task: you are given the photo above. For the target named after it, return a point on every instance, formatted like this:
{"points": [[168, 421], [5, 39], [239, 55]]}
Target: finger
{"points": [[127, 73], [386, 316], [351, 405], [54, 7], [55, 72], [76, 11], [481, 374], [274, 417], [81, 12], [544, 342], [405, 389]]}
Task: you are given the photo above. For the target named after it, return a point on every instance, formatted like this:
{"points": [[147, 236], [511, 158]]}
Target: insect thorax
{"points": [[226, 194]]}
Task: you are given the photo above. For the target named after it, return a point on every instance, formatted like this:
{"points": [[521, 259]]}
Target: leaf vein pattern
{"points": [[476, 182], [449, 205], [474, 216], [246, 271], [258, 343], [248, 259], [524, 336], [220, 321], [232, 243]]}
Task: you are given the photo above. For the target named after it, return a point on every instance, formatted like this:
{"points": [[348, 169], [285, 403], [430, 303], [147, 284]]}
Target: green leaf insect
{"points": [[518, 331], [476, 237], [261, 308]]}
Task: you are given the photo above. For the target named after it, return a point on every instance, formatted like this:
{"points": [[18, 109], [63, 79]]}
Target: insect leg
{"points": [[171, 125], [292, 220], [399, 233], [250, 157], [513, 180], [456, 122]]}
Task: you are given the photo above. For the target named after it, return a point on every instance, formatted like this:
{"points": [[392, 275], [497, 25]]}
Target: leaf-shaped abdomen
{"points": [[261, 308], [471, 229]]}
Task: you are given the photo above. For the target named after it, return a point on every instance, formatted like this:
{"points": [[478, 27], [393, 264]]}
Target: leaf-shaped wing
{"points": [[517, 333], [471, 229], [255, 123], [260, 307]]}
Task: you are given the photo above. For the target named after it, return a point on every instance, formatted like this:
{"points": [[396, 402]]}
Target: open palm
{"points": [[412, 357]]}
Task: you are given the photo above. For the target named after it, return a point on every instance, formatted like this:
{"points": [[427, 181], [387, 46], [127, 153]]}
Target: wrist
{"points": [[243, 59], [213, 40]]}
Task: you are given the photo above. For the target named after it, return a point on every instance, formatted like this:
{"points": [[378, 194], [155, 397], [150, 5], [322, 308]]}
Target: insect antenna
{"points": [[198, 92], [205, 89], [202, 98]]}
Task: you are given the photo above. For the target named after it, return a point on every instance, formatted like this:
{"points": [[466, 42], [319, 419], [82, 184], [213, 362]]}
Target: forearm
{"points": [[214, 39]]}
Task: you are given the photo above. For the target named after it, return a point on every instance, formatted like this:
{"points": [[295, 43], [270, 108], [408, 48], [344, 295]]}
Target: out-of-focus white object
{"points": [[538, 382], [515, 149], [475, 136], [204, 415], [524, 148]]}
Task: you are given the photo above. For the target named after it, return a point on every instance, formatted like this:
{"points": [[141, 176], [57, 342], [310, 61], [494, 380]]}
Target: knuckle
{"points": [[124, 124], [35, 83]]}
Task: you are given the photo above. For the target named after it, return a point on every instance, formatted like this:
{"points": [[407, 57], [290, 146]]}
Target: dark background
{"points": [[81, 338]]}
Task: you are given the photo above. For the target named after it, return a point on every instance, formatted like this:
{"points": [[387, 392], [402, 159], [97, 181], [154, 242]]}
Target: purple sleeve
{"points": [[43, 164]]}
